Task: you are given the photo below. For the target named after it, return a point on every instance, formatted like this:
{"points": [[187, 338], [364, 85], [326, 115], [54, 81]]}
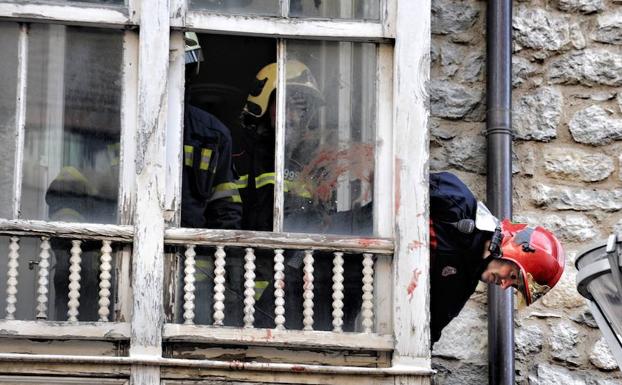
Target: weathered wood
{"points": [[249, 288], [338, 291], [83, 231], [150, 170], [411, 262], [129, 119], [189, 288], [12, 278], [74, 282], [352, 30], [308, 286], [178, 12], [43, 282], [268, 240], [85, 372], [20, 117], [245, 378], [274, 337], [367, 307], [104, 281], [102, 16], [109, 331], [219, 286], [13, 380], [279, 289], [279, 138]]}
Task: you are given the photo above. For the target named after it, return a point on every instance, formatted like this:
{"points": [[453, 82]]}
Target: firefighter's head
{"points": [[193, 54], [531, 260], [303, 95]]}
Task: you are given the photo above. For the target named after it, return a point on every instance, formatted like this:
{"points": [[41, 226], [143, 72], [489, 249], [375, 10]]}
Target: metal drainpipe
{"points": [[499, 179]]}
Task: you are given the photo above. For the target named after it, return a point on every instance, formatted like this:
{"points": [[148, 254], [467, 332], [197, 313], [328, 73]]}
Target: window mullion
{"points": [[285, 8], [20, 120], [133, 9], [279, 156], [179, 8], [174, 130]]}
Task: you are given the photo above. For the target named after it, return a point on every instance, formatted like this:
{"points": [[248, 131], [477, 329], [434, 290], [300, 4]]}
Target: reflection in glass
{"points": [[329, 137], [71, 152], [336, 9], [8, 82], [242, 7]]}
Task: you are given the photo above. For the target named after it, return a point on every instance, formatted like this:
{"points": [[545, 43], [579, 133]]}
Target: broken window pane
{"points": [[8, 82], [329, 137], [336, 9], [244, 7], [73, 124]]}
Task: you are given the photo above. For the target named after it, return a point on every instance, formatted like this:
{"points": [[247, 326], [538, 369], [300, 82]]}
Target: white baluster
{"points": [[279, 292], [74, 281], [189, 288], [104, 280], [249, 288], [12, 274], [338, 291], [42, 282], [219, 286], [308, 290], [367, 307]]}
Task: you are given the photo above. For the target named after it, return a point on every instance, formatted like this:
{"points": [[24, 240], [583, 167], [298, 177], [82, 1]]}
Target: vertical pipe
{"points": [[499, 182]]}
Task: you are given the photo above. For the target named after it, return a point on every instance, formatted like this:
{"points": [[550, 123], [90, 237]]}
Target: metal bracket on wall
{"points": [[613, 254]]}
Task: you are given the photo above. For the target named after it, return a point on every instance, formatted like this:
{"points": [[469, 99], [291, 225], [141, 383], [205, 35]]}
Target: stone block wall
{"points": [[567, 119]]}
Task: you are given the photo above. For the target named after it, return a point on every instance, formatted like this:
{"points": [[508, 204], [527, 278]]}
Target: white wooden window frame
{"points": [[151, 131]]}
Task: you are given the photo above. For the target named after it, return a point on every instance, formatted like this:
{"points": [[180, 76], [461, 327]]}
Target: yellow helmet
{"points": [[298, 77]]}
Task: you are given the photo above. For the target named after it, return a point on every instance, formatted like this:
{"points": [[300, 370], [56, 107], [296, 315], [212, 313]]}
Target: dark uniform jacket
{"points": [[210, 198], [456, 258]]}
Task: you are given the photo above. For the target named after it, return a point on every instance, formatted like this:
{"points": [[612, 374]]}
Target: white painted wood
{"points": [[84, 231], [307, 279], [12, 275], [123, 304], [351, 30], [215, 365], [367, 306], [337, 291], [279, 156], [285, 8], [344, 121], [181, 236], [178, 12], [54, 330], [411, 76], [219, 286], [20, 117], [279, 289], [148, 254], [383, 294], [104, 281], [43, 282], [129, 119], [189, 288], [133, 10], [260, 239], [74, 281], [249, 288], [277, 337], [174, 129], [67, 14], [389, 17], [48, 380]]}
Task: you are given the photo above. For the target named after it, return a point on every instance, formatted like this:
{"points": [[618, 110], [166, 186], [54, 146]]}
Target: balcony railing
{"points": [[330, 302]]}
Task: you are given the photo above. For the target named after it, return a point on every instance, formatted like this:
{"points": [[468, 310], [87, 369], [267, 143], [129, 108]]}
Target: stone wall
{"points": [[567, 119]]}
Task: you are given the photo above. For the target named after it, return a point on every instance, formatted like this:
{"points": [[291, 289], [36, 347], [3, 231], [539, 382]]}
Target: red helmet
{"points": [[538, 254]]}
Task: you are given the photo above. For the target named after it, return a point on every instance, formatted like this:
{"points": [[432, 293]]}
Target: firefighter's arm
{"points": [[224, 209]]}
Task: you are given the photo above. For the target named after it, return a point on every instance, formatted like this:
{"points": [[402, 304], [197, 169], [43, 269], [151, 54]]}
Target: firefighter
{"points": [[210, 197], [468, 244]]}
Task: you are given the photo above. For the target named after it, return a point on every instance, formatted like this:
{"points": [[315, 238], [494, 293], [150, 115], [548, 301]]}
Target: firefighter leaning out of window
{"points": [[467, 244]]}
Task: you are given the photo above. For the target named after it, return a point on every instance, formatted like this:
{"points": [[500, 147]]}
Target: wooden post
{"points": [[411, 73], [148, 255]]}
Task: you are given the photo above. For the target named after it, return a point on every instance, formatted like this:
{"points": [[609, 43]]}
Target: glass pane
{"points": [[329, 137], [336, 9], [242, 7], [73, 124], [8, 82], [606, 295]]}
